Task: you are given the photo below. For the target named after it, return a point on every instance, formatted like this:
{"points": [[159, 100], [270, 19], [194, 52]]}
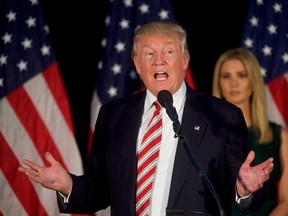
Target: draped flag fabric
{"points": [[34, 110], [266, 35], [117, 76]]}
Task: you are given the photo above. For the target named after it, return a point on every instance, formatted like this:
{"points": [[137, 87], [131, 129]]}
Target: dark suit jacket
{"points": [[215, 130]]}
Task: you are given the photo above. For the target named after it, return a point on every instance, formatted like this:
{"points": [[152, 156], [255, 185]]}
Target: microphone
{"points": [[164, 97]]}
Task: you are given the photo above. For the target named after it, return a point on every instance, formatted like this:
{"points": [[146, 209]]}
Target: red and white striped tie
{"points": [[147, 161]]}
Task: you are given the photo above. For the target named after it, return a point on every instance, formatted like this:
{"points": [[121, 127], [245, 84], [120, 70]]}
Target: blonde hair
{"points": [[161, 28], [259, 115]]}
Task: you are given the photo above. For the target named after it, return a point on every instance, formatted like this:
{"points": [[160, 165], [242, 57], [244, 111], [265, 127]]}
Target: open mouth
{"points": [[161, 76]]}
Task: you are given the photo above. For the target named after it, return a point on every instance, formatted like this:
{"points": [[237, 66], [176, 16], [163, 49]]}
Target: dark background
{"points": [[77, 27]]}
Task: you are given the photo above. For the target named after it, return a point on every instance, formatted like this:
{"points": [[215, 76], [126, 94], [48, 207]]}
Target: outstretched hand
{"points": [[54, 177], [251, 179]]}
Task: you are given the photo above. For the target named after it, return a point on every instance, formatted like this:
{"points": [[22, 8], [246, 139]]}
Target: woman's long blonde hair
{"points": [[258, 107]]}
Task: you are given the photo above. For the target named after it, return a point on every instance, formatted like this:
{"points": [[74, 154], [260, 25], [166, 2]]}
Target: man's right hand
{"points": [[53, 177]]}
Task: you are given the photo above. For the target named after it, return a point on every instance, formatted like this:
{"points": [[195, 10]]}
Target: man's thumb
{"points": [[249, 159], [50, 158]]}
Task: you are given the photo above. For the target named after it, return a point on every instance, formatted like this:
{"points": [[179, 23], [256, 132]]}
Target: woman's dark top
{"points": [[263, 152]]}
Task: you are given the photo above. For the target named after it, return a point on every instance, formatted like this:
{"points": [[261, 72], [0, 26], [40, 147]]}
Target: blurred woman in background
{"points": [[237, 78]]}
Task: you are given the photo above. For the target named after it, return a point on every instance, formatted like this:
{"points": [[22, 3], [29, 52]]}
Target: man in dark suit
{"points": [[215, 131]]}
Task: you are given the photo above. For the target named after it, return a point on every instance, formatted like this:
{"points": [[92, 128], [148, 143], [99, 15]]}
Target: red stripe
{"points": [[149, 146], [154, 128], [146, 176], [143, 207], [33, 124], [279, 91], [19, 183], [144, 192], [189, 78], [90, 137], [149, 160], [54, 81]]}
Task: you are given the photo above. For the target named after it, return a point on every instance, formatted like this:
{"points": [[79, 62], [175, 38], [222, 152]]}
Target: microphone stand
{"points": [[183, 140]]}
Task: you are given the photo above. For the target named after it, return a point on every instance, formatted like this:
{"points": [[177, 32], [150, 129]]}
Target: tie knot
{"points": [[157, 105], [157, 111]]}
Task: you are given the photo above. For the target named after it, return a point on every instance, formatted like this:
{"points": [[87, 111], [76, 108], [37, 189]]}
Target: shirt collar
{"points": [[177, 97]]}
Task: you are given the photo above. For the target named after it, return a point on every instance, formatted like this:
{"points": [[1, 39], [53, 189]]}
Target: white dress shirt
{"points": [[162, 181]]}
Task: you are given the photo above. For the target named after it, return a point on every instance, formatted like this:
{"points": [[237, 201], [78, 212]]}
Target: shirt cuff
{"points": [[239, 199], [243, 202], [65, 198]]}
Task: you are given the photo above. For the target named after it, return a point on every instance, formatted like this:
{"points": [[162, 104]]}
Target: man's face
{"points": [[160, 62]]}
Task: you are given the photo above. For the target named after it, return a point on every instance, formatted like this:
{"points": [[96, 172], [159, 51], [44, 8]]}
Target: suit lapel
{"points": [[131, 120]]}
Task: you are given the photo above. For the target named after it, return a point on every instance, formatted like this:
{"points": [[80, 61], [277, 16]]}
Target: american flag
{"points": [[34, 110], [266, 35], [117, 76]]}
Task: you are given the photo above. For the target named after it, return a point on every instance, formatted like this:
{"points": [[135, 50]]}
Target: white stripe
{"points": [[154, 121], [273, 112], [9, 204], [16, 136], [47, 107], [148, 154], [145, 212], [95, 107], [142, 200], [149, 139], [147, 169]]}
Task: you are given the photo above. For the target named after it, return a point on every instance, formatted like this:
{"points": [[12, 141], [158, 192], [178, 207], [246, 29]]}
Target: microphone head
{"points": [[163, 96]]}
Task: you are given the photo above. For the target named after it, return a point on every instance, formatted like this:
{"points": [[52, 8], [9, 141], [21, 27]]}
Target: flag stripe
{"points": [[265, 34], [60, 132], [95, 107], [56, 85], [19, 142], [40, 144], [33, 124], [189, 78], [20, 190], [273, 112], [23, 147], [277, 87], [35, 114], [9, 206]]}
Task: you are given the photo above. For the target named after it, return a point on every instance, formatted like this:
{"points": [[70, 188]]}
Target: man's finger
{"points": [[32, 165], [50, 158], [266, 165]]}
